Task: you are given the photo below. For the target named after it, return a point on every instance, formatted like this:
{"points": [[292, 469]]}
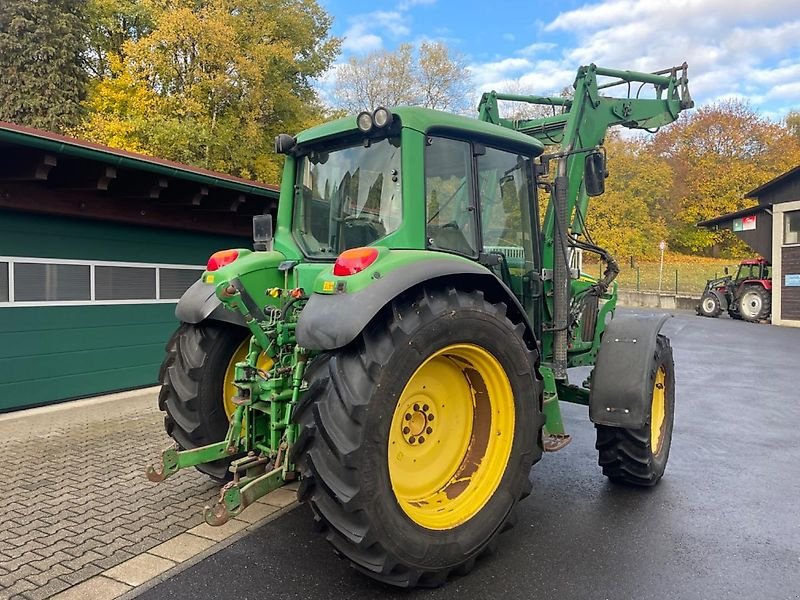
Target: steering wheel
{"points": [[366, 217]]}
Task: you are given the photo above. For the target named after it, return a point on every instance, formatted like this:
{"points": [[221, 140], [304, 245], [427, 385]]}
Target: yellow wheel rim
{"points": [[229, 390], [658, 411], [451, 436]]}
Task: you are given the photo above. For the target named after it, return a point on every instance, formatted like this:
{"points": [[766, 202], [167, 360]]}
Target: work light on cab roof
{"points": [[380, 118]]}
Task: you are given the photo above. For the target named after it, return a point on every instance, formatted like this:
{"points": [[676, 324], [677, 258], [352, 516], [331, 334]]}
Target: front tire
{"points": [[639, 457], [193, 386], [709, 306], [417, 439]]}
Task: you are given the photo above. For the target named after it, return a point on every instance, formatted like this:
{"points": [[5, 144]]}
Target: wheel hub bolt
{"points": [[417, 421]]}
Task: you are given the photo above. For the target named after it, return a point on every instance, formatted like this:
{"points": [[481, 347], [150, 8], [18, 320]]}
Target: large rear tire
{"points": [[193, 386], [416, 440], [754, 304], [639, 456]]}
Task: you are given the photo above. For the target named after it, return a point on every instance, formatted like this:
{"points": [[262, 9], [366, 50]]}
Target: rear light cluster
{"points": [[354, 261], [221, 258]]}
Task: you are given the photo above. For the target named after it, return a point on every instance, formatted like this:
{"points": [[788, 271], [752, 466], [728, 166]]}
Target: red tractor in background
{"points": [[747, 296]]}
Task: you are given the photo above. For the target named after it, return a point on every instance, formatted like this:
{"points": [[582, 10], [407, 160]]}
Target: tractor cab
{"points": [[753, 270]]}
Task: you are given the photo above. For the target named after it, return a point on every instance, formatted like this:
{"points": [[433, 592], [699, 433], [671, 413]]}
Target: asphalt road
{"points": [[723, 523]]}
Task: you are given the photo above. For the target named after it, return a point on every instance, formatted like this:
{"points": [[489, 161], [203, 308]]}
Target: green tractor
{"points": [[401, 344]]}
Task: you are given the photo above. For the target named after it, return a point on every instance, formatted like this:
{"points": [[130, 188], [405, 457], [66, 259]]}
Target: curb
{"points": [[78, 404], [146, 570]]}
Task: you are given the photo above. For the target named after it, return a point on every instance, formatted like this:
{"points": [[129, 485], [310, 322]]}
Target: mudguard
{"points": [[622, 382], [199, 303], [333, 321], [721, 298]]}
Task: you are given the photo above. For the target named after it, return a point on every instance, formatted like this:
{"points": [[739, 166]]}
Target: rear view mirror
{"points": [[262, 233], [594, 173]]}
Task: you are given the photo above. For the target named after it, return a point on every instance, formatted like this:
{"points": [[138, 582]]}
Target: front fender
{"points": [[621, 392], [721, 298], [330, 321], [199, 303]]}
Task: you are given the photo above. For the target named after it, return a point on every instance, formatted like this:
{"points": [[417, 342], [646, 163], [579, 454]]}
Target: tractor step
{"points": [[556, 441]]}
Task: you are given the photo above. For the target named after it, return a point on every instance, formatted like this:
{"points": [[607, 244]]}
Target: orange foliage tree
{"points": [[717, 154]]}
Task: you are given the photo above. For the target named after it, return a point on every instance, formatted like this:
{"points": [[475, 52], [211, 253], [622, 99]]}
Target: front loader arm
{"points": [[576, 129]]}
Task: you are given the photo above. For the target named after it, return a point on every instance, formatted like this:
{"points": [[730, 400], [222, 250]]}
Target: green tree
{"points": [[42, 79], [432, 76], [112, 23], [214, 82]]}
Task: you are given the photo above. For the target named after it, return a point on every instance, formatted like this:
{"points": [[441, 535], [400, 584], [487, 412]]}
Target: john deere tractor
{"points": [[401, 344]]}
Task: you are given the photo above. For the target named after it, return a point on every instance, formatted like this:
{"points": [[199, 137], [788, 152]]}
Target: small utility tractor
{"points": [[747, 296], [401, 344]]}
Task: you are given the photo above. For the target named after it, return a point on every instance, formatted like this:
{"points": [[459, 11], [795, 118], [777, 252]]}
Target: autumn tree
{"points": [[717, 154], [629, 219], [42, 79], [432, 76], [214, 82], [792, 123]]}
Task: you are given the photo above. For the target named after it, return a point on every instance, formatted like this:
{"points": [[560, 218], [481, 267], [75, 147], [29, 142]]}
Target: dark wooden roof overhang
{"points": [[52, 174]]}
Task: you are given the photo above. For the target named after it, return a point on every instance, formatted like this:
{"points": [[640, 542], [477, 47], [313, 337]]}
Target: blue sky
{"points": [[735, 48]]}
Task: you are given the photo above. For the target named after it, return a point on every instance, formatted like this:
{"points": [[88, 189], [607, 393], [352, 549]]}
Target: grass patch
{"points": [[692, 273]]}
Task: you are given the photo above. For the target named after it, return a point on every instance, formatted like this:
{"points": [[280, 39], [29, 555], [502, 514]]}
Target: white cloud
{"points": [[360, 37], [735, 48], [358, 41], [407, 4]]}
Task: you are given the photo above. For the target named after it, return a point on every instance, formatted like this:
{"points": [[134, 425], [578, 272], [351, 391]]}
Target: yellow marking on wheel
{"points": [[229, 390], [658, 411], [451, 436]]}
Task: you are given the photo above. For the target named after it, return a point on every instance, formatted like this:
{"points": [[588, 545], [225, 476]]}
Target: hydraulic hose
{"points": [[560, 274]]}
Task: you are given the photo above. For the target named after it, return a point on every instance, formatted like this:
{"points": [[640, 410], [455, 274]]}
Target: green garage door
{"points": [[87, 306]]}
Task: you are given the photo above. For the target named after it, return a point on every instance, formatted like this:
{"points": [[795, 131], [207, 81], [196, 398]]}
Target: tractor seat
{"points": [[449, 237]]}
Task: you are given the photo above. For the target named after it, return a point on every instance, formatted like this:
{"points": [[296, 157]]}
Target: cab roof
{"points": [[428, 120]]}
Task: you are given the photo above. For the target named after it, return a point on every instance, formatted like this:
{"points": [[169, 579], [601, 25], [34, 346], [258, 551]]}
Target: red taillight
{"points": [[221, 258], [354, 261]]}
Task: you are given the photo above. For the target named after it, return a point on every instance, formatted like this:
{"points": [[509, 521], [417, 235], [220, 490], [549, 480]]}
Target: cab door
{"points": [[509, 223]]}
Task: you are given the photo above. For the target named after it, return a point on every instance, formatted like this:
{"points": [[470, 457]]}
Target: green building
{"points": [[96, 247]]}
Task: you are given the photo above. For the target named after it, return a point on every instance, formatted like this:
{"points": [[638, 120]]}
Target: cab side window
{"points": [[504, 191], [450, 213]]}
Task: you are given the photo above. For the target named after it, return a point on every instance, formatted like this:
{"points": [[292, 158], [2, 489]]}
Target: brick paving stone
{"points": [[45, 577], [45, 591], [218, 533], [89, 506], [280, 497], [96, 588], [140, 569], [82, 574], [16, 588], [256, 512], [118, 557], [183, 547]]}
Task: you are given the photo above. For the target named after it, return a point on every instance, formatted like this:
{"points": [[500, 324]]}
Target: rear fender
{"points": [[199, 303], [330, 321], [621, 383]]}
